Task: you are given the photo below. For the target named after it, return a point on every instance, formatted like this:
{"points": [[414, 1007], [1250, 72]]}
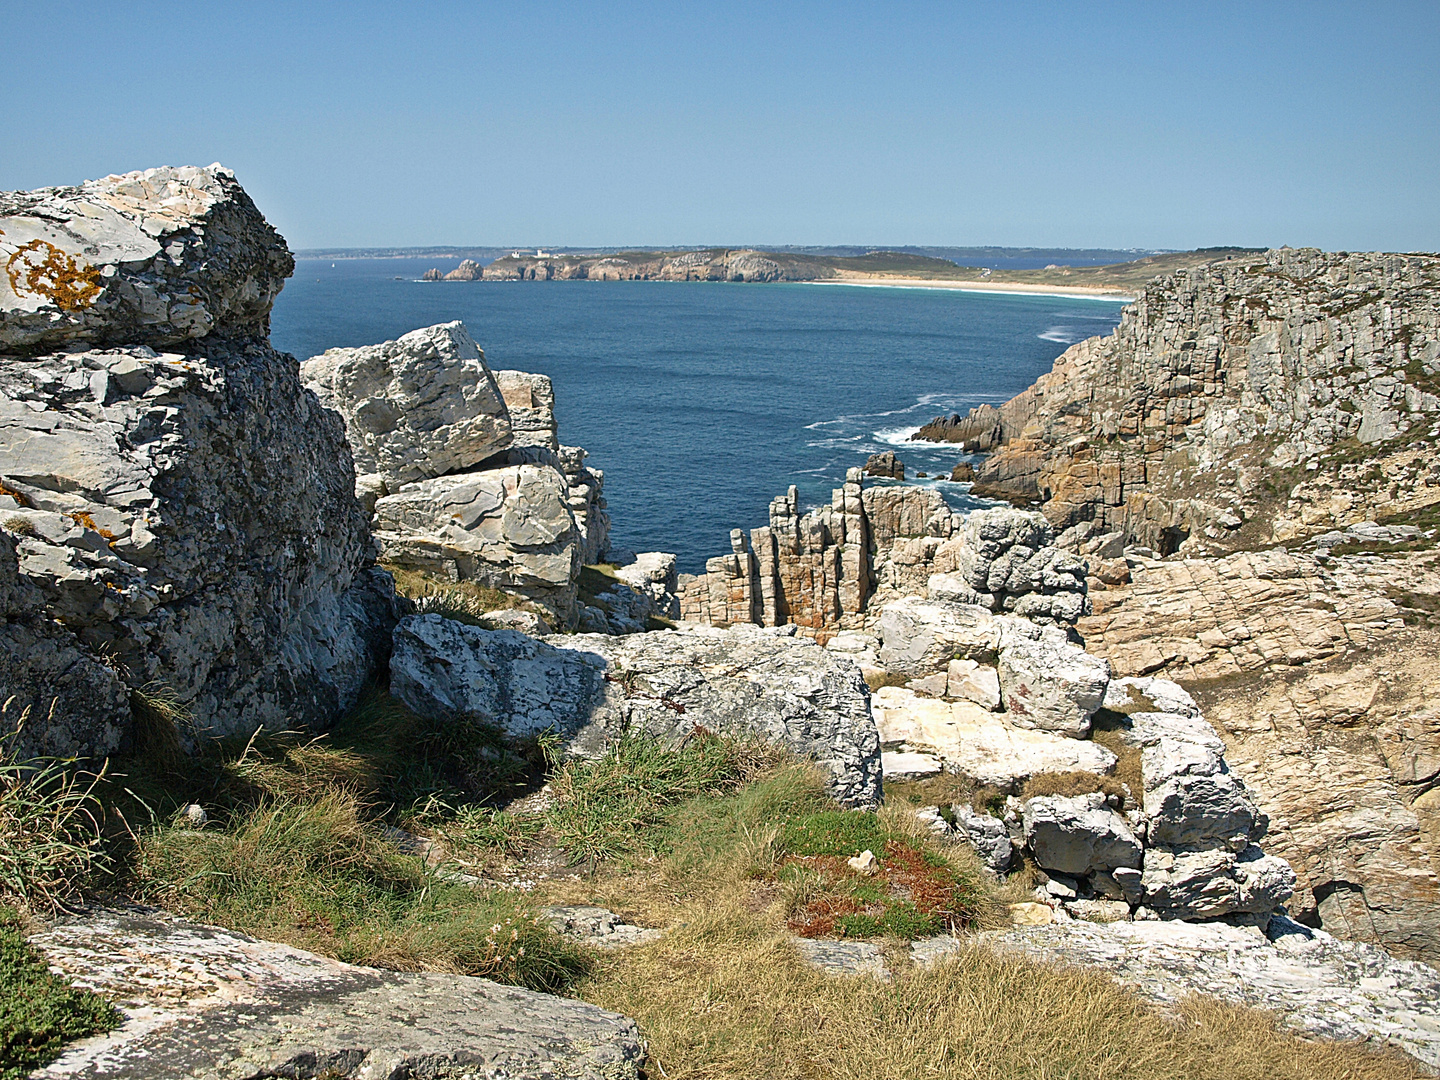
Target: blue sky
{"points": [[1107, 125]]}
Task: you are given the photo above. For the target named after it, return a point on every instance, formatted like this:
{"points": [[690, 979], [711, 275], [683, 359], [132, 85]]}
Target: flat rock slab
{"points": [[898, 765], [843, 957], [204, 1002], [1319, 984], [930, 950], [977, 743], [598, 926]]}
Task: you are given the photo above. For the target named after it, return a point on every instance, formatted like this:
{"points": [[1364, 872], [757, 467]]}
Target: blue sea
{"points": [[702, 401]]}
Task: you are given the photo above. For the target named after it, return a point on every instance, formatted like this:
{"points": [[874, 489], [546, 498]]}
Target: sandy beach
{"points": [[1016, 287]]}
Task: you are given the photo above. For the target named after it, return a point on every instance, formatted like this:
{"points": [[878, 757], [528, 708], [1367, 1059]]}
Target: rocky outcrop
{"points": [[716, 264], [158, 258], [187, 515], [468, 270], [460, 487], [1318, 985], [1237, 404], [591, 688], [199, 1001], [825, 570], [1318, 671], [414, 408], [885, 464]]}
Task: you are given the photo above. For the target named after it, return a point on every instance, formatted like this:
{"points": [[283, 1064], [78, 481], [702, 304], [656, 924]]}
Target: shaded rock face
{"points": [[1079, 835], [414, 408], [158, 258], [189, 515], [824, 570], [200, 1001], [592, 688], [1175, 426], [885, 464], [530, 401]]}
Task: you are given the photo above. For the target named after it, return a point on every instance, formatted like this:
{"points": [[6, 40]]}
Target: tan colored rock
{"points": [[530, 400]]}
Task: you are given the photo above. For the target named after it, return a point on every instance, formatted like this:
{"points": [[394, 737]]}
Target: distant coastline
{"points": [[1015, 288]]}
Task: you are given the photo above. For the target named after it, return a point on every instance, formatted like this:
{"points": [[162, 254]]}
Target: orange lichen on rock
{"points": [[42, 269]]}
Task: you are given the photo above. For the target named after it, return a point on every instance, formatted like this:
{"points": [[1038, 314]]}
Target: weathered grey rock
{"points": [[192, 517], [525, 622], [1050, 684], [1078, 834], [979, 744], [843, 957], [65, 700], [1008, 561], [591, 688], [200, 1001], [599, 926], [973, 681], [907, 765], [1206, 884], [1319, 985], [509, 528], [530, 400], [158, 258], [417, 407], [987, 835], [920, 637]]}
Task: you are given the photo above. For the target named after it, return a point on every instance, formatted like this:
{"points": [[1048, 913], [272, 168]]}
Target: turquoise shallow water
{"points": [[701, 401]]}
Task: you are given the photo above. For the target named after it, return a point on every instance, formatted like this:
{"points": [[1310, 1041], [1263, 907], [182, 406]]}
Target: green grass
{"points": [[39, 1012]]}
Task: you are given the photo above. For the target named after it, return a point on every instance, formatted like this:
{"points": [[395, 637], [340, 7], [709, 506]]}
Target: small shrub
{"points": [[39, 1012], [20, 526], [876, 679]]}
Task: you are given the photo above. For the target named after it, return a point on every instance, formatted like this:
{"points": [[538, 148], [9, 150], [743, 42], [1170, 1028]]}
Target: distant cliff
{"points": [[1246, 402]]}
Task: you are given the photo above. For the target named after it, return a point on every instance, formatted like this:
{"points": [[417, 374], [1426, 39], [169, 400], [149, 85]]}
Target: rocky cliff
{"points": [[184, 520], [713, 265], [1251, 401]]}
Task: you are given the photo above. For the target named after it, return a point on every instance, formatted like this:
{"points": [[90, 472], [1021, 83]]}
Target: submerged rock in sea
{"points": [[591, 688]]}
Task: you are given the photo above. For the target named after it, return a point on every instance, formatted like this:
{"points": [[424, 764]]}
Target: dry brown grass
{"points": [[1070, 784], [465, 597], [876, 679], [725, 995]]}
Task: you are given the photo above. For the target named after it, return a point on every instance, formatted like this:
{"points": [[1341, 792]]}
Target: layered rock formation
{"points": [[590, 689], [820, 570], [1249, 401], [713, 265], [460, 488], [187, 515]]}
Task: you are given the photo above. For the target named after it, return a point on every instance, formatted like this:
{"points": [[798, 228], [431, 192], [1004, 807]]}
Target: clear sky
{"points": [[406, 123]]}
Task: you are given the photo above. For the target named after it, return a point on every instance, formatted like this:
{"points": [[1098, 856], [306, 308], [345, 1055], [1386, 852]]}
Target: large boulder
{"points": [[189, 516], [200, 1001], [1206, 884], [591, 688], [1079, 835], [509, 528], [160, 258], [530, 400], [417, 407], [920, 637], [1005, 560], [1048, 683]]}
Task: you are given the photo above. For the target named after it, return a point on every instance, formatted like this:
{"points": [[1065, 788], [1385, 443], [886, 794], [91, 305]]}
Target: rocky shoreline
{"points": [[191, 518]]}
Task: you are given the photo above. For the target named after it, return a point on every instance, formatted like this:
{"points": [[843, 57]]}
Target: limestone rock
{"points": [[414, 408], [591, 688], [979, 744], [973, 681], [844, 958], [159, 258], [1050, 684], [1204, 884], [200, 1001], [192, 517], [530, 400], [1079, 835], [1319, 985], [987, 835], [509, 528], [903, 765], [920, 637], [599, 926]]}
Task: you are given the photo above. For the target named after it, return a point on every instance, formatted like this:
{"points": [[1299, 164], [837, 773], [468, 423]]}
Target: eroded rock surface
{"points": [[200, 1001], [591, 688], [158, 258]]}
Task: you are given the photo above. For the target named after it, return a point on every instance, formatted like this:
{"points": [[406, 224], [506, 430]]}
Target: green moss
{"points": [[39, 1012]]}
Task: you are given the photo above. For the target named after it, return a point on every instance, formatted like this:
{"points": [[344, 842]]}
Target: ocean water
{"points": [[702, 401]]}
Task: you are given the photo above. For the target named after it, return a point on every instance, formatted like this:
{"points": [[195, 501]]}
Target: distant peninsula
{"points": [[1120, 279]]}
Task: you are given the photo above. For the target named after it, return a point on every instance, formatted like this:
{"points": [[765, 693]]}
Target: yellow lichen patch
{"points": [[42, 269], [80, 517], [18, 496]]}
